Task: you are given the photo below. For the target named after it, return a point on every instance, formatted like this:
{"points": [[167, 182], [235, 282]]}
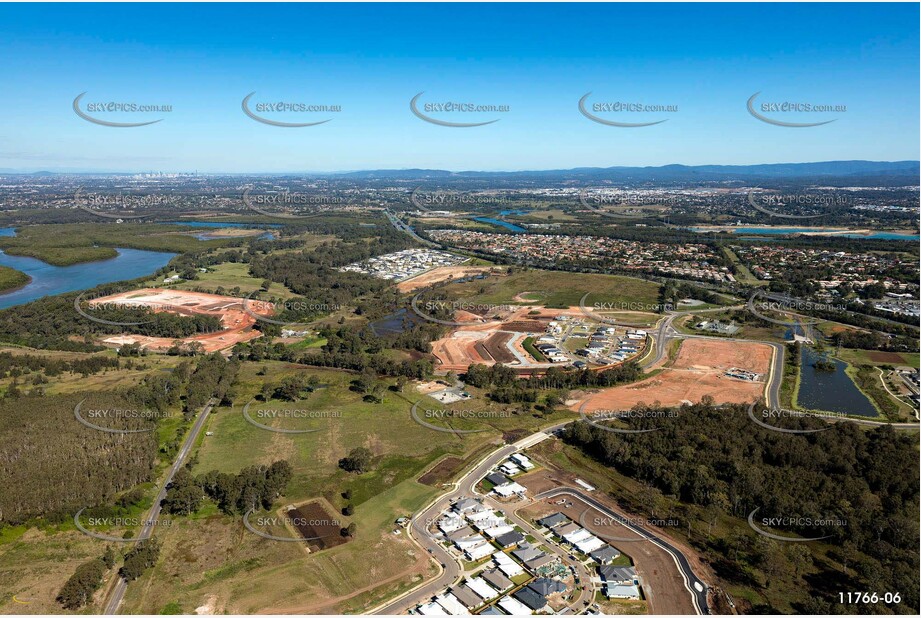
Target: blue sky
{"points": [[538, 59]]}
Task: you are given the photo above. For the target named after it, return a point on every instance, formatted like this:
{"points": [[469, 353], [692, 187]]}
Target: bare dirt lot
{"points": [[459, 349], [315, 522], [891, 358], [496, 347], [442, 471], [445, 273], [698, 370], [238, 324]]}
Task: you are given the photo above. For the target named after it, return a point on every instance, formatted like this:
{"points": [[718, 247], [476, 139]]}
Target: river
{"points": [[48, 280]]}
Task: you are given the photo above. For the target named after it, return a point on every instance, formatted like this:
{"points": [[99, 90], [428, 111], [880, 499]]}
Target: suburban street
{"points": [[121, 586], [695, 586], [451, 571]]}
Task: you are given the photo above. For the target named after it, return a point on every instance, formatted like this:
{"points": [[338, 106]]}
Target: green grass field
{"points": [[559, 289], [228, 276], [528, 344], [743, 274], [864, 357], [210, 558]]}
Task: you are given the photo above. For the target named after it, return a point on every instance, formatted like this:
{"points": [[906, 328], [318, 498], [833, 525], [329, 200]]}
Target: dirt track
{"points": [[697, 371]]}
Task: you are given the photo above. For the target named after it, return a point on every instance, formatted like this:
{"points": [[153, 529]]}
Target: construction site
{"points": [[727, 371], [535, 338], [237, 320]]}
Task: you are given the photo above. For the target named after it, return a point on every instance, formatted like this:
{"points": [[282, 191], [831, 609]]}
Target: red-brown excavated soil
{"points": [[238, 324], [697, 371], [497, 349]]}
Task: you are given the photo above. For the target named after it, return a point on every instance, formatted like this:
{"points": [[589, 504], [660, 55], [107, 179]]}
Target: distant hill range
{"points": [[904, 172], [838, 173]]}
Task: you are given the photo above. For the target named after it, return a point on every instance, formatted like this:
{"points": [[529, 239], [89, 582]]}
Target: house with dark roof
{"points": [[535, 563], [605, 555], [545, 586], [509, 539], [498, 581], [567, 529], [617, 574], [551, 521], [530, 598], [468, 597], [497, 478]]}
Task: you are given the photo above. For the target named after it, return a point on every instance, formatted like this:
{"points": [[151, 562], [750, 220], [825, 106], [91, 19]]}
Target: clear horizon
{"points": [[401, 169], [699, 64]]}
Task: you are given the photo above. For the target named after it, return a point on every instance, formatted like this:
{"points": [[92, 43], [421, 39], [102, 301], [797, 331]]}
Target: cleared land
{"points": [[237, 322], [559, 289], [487, 343], [698, 370], [230, 275], [878, 357], [211, 560], [314, 521], [444, 273]]}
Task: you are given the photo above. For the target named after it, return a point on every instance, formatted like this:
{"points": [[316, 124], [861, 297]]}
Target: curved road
{"points": [[695, 586], [451, 571]]}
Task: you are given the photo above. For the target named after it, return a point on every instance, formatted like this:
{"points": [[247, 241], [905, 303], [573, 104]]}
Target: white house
{"points": [[483, 589], [509, 489], [479, 552]]}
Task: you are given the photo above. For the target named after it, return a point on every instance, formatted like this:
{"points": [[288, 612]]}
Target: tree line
{"points": [[253, 488], [715, 458], [51, 465]]}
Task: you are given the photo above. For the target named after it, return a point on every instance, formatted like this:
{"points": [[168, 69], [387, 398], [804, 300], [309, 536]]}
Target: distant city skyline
{"points": [[700, 65]]}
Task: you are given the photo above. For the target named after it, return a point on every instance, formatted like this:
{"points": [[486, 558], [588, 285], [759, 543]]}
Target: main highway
{"points": [[121, 586]]}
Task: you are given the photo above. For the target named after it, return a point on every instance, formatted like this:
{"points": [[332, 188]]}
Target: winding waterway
{"points": [[48, 280]]}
